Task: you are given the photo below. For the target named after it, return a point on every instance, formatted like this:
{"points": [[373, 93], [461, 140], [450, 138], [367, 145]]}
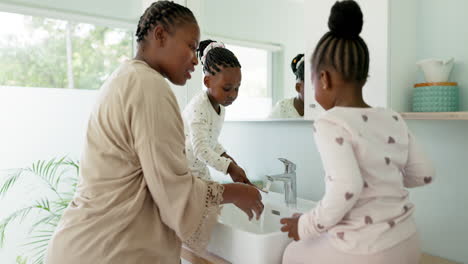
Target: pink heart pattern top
{"points": [[370, 158]]}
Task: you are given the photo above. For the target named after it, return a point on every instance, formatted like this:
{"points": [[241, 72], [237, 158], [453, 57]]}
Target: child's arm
{"points": [[344, 182], [199, 138], [228, 157], [418, 170], [219, 149], [215, 157]]}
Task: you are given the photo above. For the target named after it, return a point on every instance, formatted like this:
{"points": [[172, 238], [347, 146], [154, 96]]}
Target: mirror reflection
{"points": [[292, 107], [270, 50]]}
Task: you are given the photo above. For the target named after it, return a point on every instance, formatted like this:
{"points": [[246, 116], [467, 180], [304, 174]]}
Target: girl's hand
{"points": [[238, 174], [245, 197], [290, 225]]}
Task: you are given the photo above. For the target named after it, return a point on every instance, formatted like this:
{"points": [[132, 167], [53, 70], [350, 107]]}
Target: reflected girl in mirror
{"points": [[292, 107]]}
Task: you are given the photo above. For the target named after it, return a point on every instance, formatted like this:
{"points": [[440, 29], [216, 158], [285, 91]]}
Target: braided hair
{"points": [[165, 13], [216, 58], [297, 66], [342, 48]]}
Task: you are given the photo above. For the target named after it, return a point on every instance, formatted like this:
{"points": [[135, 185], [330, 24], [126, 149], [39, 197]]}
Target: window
{"points": [[52, 53]]}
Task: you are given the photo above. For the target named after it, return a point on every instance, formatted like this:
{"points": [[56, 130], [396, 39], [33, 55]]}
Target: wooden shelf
{"points": [[435, 115], [428, 259]]}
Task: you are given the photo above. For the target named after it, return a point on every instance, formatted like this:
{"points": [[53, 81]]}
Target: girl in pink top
{"points": [[369, 157]]}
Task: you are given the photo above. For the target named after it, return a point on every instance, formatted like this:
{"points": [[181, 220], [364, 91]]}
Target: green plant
{"points": [[21, 260], [59, 177]]}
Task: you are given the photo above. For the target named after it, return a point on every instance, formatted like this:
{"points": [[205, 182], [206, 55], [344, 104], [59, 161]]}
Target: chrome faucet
{"points": [[289, 180]]}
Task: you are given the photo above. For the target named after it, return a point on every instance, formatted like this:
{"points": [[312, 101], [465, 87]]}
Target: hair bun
{"points": [[295, 62], [346, 19], [202, 46]]}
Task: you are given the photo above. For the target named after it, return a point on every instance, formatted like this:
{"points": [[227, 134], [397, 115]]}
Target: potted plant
{"points": [[59, 177]]}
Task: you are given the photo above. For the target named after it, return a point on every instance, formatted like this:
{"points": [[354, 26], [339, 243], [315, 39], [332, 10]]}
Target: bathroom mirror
{"points": [[265, 35]]}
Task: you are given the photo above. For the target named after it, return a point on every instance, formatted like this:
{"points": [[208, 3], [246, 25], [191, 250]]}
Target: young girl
{"points": [[369, 157], [292, 107], [137, 201], [204, 115]]}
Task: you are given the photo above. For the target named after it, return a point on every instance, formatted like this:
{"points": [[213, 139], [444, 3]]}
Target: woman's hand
{"points": [[290, 225], [245, 197]]}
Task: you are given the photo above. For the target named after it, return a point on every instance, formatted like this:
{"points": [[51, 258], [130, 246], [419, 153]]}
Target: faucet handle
{"points": [[288, 165]]}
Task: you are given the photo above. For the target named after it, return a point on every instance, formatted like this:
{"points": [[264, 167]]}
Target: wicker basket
{"points": [[436, 97]]}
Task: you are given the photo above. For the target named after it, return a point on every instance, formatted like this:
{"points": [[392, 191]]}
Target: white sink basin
{"points": [[240, 241]]}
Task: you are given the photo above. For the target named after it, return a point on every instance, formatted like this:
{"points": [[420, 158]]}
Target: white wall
{"points": [[37, 124], [40, 123]]}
